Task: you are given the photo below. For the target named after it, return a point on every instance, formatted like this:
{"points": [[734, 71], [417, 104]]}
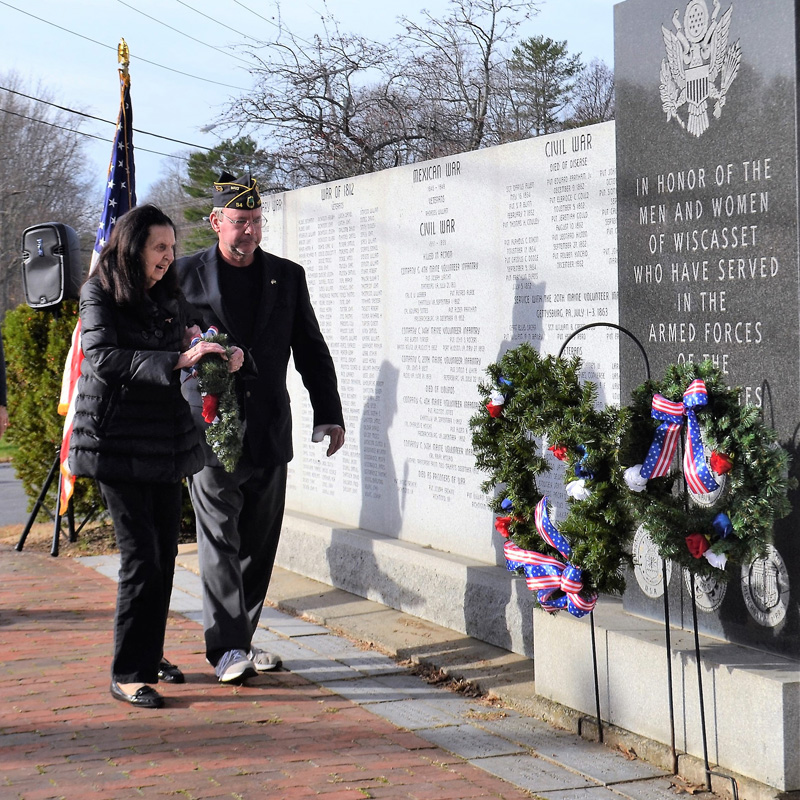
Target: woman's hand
{"points": [[236, 359], [195, 353]]}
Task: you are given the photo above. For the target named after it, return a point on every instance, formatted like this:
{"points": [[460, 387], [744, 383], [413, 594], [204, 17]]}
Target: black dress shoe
{"points": [[144, 696], [169, 673]]}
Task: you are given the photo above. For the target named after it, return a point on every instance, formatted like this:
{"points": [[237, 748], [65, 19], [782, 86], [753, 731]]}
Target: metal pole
{"points": [[700, 687], [709, 771], [668, 644], [39, 502], [57, 526], [596, 682]]}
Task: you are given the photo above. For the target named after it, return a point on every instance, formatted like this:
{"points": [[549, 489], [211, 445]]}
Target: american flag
{"points": [[120, 196]]}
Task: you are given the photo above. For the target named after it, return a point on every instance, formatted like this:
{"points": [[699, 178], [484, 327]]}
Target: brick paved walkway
{"points": [[63, 736]]}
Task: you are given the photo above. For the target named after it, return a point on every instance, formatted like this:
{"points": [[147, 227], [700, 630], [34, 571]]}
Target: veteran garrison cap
{"points": [[230, 192]]}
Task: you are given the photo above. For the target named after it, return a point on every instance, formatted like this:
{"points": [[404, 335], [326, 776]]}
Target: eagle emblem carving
{"points": [[700, 65]]}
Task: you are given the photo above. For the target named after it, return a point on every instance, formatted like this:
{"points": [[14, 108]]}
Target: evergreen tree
{"points": [[203, 168], [543, 82]]}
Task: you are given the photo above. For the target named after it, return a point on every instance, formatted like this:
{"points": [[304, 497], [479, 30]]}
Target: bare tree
{"points": [[594, 95], [169, 195], [43, 177], [456, 65], [332, 107]]}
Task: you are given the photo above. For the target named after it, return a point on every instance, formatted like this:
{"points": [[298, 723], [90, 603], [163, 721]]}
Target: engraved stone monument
{"points": [[422, 276], [708, 250]]}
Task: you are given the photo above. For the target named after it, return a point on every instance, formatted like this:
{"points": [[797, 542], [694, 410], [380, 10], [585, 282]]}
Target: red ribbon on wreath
{"points": [[210, 401], [210, 406]]}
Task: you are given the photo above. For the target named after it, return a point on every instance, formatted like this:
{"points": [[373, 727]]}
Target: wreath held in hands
{"points": [[220, 407]]}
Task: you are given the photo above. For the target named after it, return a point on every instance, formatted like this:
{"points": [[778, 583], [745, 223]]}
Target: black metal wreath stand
{"points": [[591, 615], [709, 771], [701, 699]]}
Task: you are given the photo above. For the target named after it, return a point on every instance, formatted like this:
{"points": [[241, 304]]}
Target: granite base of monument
{"points": [[478, 599], [752, 699]]}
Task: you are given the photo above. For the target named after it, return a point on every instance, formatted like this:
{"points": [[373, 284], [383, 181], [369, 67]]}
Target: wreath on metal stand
{"points": [[721, 509], [531, 400]]}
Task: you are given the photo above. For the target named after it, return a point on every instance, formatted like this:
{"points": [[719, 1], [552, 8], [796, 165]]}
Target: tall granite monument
{"points": [[707, 190]]}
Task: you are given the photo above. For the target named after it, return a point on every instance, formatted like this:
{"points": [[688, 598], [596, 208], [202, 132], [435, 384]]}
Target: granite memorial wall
{"points": [[706, 132], [423, 275]]}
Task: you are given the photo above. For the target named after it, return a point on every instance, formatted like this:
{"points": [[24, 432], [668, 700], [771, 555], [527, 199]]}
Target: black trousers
{"points": [[239, 517], [146, 520]]}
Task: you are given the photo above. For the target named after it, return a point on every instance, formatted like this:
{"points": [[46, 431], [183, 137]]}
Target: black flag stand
{"points": [[72, 531]]}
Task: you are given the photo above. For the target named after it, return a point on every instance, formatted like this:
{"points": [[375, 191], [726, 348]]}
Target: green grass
{"points": [[6, 450]]}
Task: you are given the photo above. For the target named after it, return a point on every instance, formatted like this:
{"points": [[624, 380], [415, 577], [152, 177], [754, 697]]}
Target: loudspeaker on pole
{"points": [[51, 264]]}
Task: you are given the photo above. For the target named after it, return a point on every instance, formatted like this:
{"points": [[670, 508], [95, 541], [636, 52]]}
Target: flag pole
{"points": [[120, 196]]}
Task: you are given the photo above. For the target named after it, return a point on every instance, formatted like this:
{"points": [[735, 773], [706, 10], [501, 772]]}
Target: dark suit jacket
{"points": [[285, 324]]}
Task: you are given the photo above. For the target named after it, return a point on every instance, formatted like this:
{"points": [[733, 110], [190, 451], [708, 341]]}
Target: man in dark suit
{"points": [[261, 301]]}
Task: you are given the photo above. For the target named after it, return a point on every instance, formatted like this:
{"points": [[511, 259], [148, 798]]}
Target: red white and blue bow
{"points": [[212, 331], [662, 450], [546, 575]]}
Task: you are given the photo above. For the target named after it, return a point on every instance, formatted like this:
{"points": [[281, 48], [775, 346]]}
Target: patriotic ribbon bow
{"points": [[546, 575], [659, 457], [212, 331]]}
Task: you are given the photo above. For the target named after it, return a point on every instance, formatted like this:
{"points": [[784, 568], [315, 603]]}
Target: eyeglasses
{"points": [[241, 224]]}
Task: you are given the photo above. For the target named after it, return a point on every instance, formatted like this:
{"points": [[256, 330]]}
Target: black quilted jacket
{"points": [[131, 421]]}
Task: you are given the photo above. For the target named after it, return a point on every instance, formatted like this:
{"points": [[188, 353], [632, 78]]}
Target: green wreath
{"points": [[528, 400], [732, 524], [220, 406]]}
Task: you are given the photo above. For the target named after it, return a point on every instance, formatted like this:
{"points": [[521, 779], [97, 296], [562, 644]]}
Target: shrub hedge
{"points": [[36, 344]]}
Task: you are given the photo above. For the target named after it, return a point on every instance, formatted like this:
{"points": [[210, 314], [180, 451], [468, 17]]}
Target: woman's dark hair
{"points": [[120, 268]]}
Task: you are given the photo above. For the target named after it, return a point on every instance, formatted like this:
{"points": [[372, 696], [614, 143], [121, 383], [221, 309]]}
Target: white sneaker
{"points": [[262, 660], [234, 667]]}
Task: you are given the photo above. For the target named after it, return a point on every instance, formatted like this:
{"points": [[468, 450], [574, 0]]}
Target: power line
{"points": [[109, 47], [89, 135], [273, 23], [222, 24], [268, 21], [100, 119], [183, 33]]}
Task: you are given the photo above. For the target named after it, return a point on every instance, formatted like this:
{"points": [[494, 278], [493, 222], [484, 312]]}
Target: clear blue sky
{"points": [[81, 74]]}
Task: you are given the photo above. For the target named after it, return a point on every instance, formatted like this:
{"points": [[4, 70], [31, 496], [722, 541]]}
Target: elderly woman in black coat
{"points": [[134, 434]]}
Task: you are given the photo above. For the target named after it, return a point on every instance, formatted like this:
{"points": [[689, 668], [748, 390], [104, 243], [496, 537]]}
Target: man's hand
{"points": [[336, 433], [4, 421], [191, 356], [236, 359]]}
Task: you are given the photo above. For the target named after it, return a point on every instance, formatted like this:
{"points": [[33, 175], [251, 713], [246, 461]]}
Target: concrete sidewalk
{"points": [[341, 721], [13, 500]]}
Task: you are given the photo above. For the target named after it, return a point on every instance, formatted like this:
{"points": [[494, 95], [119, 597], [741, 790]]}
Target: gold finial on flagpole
{"points": [[123, 56]]}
